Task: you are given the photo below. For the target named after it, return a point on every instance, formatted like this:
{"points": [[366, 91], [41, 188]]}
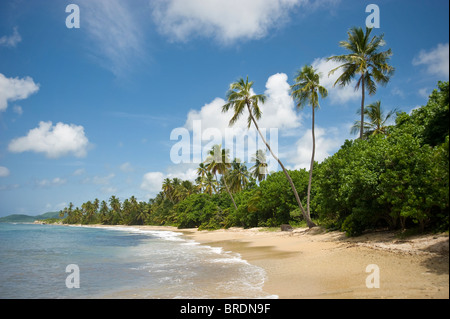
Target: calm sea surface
{"points": [[119, 263]]}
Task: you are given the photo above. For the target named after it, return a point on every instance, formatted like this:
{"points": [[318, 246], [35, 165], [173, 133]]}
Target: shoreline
{"points": [[315, 264], [320, 265]]}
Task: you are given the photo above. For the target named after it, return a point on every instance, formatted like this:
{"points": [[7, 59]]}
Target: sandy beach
{"points": [[318, 264], [305, 264]]}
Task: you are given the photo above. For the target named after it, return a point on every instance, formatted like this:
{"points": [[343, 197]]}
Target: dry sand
{"points": [[318, 264]]}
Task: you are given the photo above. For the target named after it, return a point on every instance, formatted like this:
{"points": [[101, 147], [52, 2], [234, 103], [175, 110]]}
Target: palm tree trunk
{"points": [[312, 165], [361, 135], [308, 220]]}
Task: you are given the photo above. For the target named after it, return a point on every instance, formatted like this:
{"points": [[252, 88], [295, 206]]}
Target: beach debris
{"points": [[286, 227]]}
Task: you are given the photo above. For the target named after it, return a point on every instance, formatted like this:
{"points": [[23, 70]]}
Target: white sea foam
{"points": [[186, 265]]}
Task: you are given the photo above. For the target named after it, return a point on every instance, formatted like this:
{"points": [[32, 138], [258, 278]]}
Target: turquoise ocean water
{"points": [[119, 263]]}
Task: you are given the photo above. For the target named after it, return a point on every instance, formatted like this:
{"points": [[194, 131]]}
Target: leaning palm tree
{"points": [[218, 162], [239, 98], [365, 61], [305, 91], [378, 121]]}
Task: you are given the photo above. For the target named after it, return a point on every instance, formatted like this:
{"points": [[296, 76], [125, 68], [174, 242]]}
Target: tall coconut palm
{"points": [[239, 98], [218, 162], [306, 91], [364, 61], [259, 170], [378, 121]]}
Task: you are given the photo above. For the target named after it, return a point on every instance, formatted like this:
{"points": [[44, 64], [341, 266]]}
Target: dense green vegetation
{"points": [[393, 176], [397, 180]]}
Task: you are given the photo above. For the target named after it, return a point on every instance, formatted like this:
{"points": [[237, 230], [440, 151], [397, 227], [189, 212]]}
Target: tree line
{"points": [[393, 176]]}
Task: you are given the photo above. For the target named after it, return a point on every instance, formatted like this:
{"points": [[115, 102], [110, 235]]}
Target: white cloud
{"points": [[57, 181], [99, 180], [424, 92], [337, 94], [54, 141], [109, 190], [126, 167], [278, 113], [225, 21], [116, 35], [152, 182], [79, 172], [327, 141], [18, 109], [436, 60], [12, 40], [4, 172], [397, 92], [13, 89], [183, 173]]}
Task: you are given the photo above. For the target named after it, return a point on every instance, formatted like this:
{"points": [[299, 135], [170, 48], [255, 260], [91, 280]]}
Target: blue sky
{"points": [[88, 113]]}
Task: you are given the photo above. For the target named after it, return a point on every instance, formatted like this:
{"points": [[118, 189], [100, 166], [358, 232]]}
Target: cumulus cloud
{"points": [[278, 111], [54, 141], [4, 172], [14, 89], [152, 182], [279, 116], [435, 60], [337, 94], [225, 21], [327, 142], [11, 40]]}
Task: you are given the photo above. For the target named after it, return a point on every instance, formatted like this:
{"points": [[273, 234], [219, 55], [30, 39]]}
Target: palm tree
{"points": [[142, 213], [378, 120], [116, 210], [239, 97], [238, 178], [306, 90], [202, 171], [210, 184], [167, 188], [218, 161], [103, 212], [259, 170], [364, 61]]}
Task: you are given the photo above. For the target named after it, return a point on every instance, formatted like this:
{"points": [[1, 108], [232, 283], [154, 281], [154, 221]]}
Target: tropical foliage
{"points": [[306, 90], [395, 176], [364, 61]]}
